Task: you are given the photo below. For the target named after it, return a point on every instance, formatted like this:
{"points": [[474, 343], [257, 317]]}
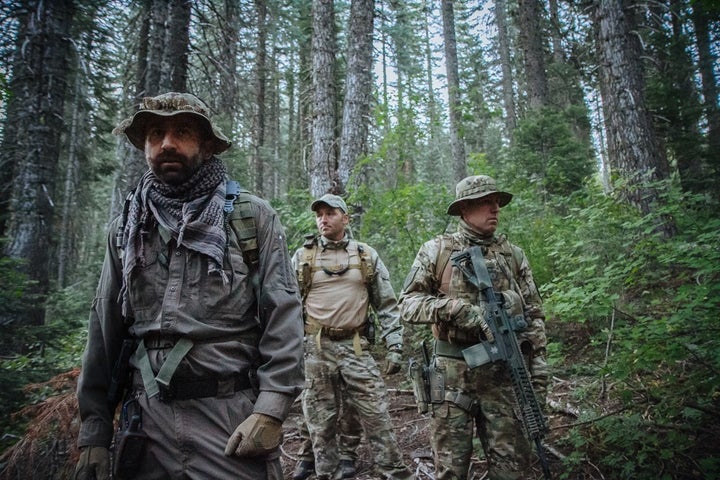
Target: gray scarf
{"points": [[192, 212]]}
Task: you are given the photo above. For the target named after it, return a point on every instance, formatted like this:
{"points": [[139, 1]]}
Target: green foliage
{"points": [[396, 222], [548, 155], [34, 354], [653, 303]]}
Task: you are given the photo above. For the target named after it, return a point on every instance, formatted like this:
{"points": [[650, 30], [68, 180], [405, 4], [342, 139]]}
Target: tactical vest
{"points": [[307, 266]]}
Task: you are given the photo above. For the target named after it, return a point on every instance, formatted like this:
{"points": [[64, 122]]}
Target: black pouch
{"points": [[129, 443]]}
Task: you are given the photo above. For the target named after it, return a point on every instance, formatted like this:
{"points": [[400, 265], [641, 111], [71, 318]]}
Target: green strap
{"points": [[150, 381]]}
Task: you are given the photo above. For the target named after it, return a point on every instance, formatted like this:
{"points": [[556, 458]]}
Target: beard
{"points": [[174, 168]]}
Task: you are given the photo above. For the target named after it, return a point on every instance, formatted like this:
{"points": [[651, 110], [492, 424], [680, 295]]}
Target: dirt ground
{"points": [[411, 428]]}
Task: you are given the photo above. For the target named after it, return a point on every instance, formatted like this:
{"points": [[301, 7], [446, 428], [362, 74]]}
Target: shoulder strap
{"points": [[366, 266], [305, 269], [241, 219]]}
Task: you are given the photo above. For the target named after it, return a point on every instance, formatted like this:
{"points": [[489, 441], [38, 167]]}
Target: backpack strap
{"points": [[442, 273], [240, 218], [366, 267], [305, 269]]}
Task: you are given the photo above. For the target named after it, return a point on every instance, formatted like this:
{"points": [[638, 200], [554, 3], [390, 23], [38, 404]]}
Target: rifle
{"points": [[504, 348]]}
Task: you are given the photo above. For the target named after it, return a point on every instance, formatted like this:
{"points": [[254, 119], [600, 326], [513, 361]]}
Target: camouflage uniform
{"points": [[482, 397], [338, 364]]}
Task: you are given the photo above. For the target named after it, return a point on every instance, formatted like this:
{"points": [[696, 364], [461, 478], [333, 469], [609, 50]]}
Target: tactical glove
{"points": [[469, 316], [258, 435], [393, 362], [94, 464]]}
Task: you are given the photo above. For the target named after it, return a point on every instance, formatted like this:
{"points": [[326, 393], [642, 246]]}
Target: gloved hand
{"points": [[469, 316], [393, 362], [258, 435], [94, 464]]}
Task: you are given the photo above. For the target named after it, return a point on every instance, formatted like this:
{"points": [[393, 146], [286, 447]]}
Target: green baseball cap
{"points": [[167, 105], [331, 200], [473, 187]]}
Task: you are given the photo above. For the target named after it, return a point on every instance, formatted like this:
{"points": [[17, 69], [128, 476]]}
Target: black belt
{"points": [[188, 388]]}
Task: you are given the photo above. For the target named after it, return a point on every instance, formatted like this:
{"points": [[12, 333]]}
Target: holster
{"points": [[130, 442], [419, 376]]}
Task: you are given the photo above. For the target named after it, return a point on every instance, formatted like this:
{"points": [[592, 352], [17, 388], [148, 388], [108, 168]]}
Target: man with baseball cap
{"points": [[437, 293], [209, 335], [340, 279]]}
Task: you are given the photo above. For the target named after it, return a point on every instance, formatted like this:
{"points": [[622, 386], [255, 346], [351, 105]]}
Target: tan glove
{"points": [[393, 362], [258, 435], [469, 316], [94, 464]]}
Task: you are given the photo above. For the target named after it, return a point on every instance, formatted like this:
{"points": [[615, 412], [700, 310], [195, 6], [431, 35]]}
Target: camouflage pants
{"points": [[350, 436], [498, 425], [334, 372]]}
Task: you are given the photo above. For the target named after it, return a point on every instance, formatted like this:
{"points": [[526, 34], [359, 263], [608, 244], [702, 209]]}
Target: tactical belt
{"points": [[186, 389], [312, 327]]}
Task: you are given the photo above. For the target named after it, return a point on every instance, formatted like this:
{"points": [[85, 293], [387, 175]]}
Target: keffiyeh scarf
{"points": [[192, 212]]}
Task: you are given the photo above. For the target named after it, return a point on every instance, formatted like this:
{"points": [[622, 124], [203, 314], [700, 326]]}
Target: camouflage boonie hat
{"points": [[477, 186], [331, 200], [167, 105]]}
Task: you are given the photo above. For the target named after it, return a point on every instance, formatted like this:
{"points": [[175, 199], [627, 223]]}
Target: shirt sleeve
{"points": [[106, 331], [420, 301], [280, 371], [384, 302]]}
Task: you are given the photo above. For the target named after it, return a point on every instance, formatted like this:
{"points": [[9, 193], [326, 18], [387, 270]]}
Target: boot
{"points": [[304, 469], [347, 468]]}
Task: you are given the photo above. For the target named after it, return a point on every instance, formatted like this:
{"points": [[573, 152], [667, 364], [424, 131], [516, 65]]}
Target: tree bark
{"points": [[40, 84], [508, 91], [358, 89], [453, 78], [706, 61], [633, 147], [531, 43], [323, 173], [260, 82]]}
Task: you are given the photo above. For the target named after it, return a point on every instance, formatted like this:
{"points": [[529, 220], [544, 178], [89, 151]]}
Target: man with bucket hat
{"points": [[197, 326], [437, 293], [340, 279]]}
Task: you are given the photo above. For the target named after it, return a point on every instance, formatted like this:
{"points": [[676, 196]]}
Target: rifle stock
{"points": [[505, 348]]}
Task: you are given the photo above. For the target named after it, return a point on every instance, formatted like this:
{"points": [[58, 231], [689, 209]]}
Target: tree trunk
{"points": [[706, 62], [453, 78], [260, 81], [633, 148], [531, 43], [173, 76], [508, 91], [40, 84], [323, 174], [358, 89]]}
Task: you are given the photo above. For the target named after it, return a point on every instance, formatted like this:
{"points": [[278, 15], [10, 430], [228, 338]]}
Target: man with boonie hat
{"points": [[209, 329], [340, 279], [437, 293]]}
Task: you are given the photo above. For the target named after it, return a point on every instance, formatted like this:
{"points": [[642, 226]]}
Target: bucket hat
{"points": [[331, 200], [476, 186], [168, 105]]}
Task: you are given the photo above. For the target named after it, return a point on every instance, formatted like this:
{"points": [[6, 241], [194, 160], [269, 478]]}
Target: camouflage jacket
{"points": [[431, 290]]}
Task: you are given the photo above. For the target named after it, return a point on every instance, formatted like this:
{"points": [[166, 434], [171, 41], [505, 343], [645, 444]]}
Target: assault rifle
{"points": [[504, 348]]}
